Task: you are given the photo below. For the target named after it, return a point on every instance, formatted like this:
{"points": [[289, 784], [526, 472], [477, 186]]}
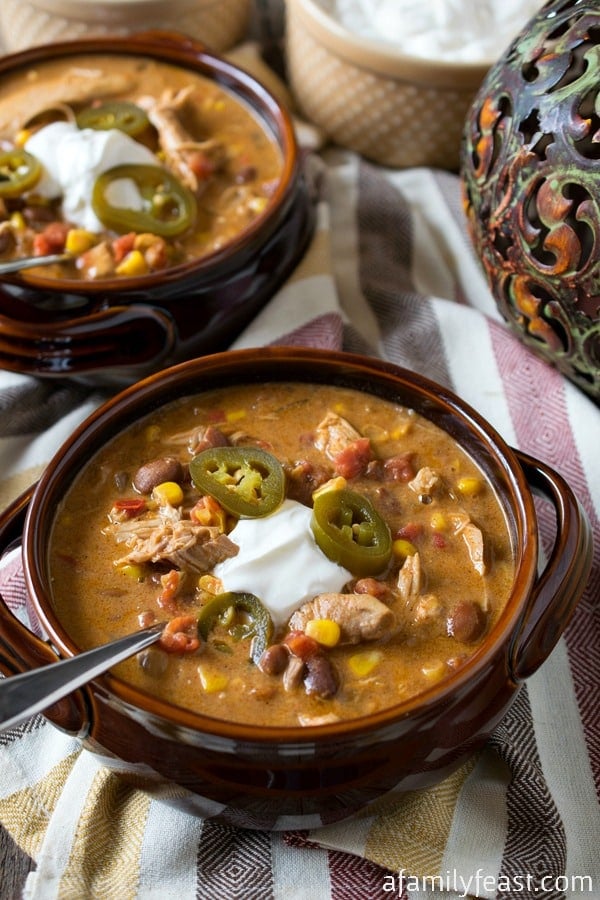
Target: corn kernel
{"points": [[212, 681], [258, 204], [324, 631], [438, 521], [22, 136], [17, 222], [235, 414], [132, 571], [434, 671], [365, 662], [210, 584], [79, 240], [376, 433], [469, 486], [403, 548], [339, 408], [334, 484], [168, 493], [133, 264], [401, 430]]}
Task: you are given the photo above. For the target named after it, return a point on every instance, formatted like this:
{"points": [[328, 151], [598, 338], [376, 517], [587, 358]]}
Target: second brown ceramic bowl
{"points": [[121, 329], [274, 777]]}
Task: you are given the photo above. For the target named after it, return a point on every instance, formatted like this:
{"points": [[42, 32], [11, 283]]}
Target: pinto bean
{"points": [[371, 586], [166, 468], [466, 622], [320, 677], [274, 660]]}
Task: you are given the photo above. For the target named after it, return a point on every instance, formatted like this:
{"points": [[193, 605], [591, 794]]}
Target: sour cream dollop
{"points": [[280, 562], [72, 158]]}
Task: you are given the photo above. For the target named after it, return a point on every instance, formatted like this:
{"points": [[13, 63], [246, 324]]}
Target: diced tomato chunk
{"points": [[353, 459], [41, 245], [123, 245], [201, 165], [130, 507], [412, 531], [52, 239], [170, 583], [399, 468], [301, 645], [208, 511]]}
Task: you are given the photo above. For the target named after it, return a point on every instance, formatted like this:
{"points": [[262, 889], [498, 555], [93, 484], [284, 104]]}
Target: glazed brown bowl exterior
{"points": [[255, 776], [121, 329]]}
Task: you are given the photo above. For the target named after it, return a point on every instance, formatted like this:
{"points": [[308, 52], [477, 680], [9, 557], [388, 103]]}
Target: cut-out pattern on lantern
{"points": [[530, 169]]}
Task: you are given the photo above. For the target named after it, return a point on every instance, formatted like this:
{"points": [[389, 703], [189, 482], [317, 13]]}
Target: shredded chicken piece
{"points": [[98, 261], [333, 434], [410, 578], [361, 617], [473, 538], [169, 538], [178, 145], [200, 438], [459, 520], [427, 609], [325, 719], [244, 439], [204, 556], [75, 87], [425, 481]]}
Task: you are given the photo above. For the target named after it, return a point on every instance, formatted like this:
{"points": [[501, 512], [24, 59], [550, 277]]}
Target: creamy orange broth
{"points": [[226, 130], [98, 600]]}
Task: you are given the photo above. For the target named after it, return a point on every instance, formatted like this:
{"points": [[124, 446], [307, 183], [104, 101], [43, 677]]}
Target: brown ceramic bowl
{"points": [[273, 778], [120, 329]]}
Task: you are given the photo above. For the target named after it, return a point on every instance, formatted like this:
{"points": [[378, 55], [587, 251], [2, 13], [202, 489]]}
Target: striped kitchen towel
{"points": [[391, 274]]}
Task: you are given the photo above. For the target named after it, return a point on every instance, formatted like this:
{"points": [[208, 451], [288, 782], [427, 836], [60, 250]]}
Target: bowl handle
{"points": [[119, 336], [20, 649], [560, 585]]}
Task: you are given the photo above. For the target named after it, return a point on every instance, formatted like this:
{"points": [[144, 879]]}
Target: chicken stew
{"points": [[316, 553], [128, 164]]}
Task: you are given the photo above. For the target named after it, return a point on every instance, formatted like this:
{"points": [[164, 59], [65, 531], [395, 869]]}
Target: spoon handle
{"points": [[21, 696], [32, 262]]}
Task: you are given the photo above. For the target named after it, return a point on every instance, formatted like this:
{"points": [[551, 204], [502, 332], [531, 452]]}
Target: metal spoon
{"points": [[31, 262], [21, 696]]}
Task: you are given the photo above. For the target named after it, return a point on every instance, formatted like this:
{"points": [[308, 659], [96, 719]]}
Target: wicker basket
{"points": [[392, 108], [218, 24]]}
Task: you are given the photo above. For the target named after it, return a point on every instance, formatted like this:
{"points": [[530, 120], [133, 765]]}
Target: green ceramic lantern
{"points": [[530, 169]]}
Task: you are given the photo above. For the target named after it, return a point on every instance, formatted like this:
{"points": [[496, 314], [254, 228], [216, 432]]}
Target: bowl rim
{"points": [[177, 49], [177, 381], [383, 59]]}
